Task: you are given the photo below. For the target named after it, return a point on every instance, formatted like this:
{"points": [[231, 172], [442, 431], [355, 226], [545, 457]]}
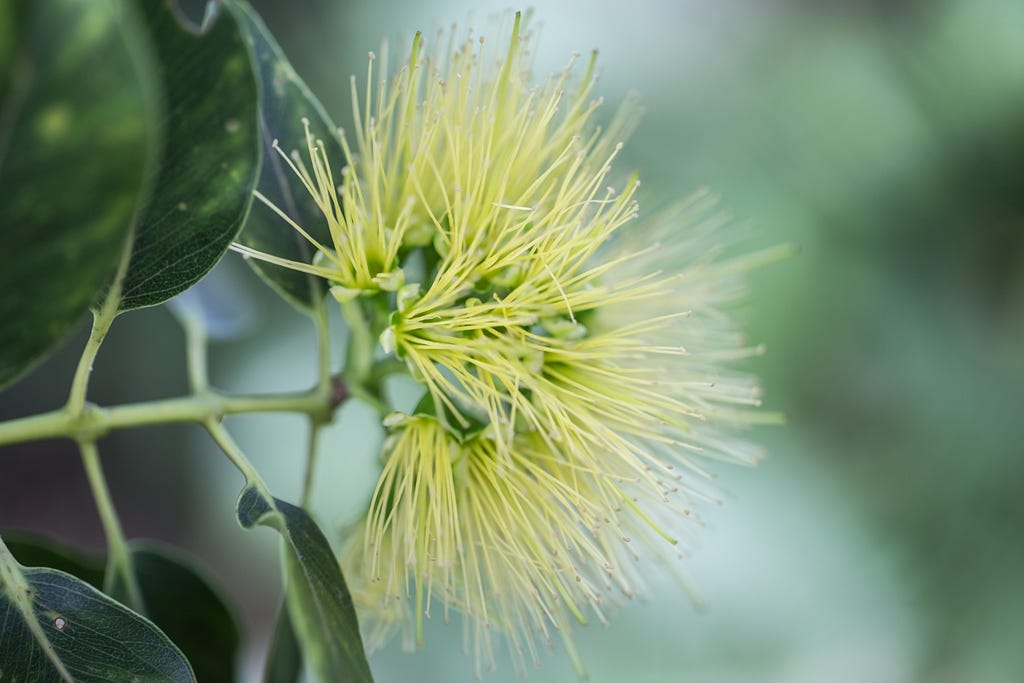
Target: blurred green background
{"points": [[883, 539]]}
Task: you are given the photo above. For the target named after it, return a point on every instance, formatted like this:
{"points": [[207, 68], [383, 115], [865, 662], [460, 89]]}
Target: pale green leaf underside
{"points": [[285, 101]]}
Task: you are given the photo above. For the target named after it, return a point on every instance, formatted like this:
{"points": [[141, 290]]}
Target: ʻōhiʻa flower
{"points": [[571, 356]]}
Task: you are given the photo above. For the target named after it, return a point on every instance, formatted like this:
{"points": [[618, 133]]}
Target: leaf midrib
{"points": [[18, 591]]}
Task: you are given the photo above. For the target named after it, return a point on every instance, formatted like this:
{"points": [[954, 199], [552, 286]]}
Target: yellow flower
{"points": [[571, 356], [520, 544]]}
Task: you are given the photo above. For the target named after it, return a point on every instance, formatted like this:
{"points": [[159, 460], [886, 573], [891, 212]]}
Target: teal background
{"points": [[881, 541]]}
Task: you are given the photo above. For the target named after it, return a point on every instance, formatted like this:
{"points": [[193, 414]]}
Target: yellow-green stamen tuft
{"points": [[570, 356]]}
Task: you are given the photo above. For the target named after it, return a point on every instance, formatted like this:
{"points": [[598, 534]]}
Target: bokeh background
{"points": [[883, 539]]}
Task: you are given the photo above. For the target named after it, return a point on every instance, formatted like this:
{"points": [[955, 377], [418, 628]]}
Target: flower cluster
{"points": [[571, 356]]}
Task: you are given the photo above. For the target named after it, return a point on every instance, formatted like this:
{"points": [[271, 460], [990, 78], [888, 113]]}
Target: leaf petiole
{"points": [[120, 582]]}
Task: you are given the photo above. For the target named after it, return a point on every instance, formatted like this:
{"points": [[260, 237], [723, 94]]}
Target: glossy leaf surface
{"points": [[209, 157], [179, 598], [285, 101], [284, 658], [76, 123], [57, 628], [319, 603]]}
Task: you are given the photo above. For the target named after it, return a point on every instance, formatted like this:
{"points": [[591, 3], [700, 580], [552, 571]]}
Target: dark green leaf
{"points": [[75, 126], [284, 102], [284, 659], [178, 597], [12, 17], [57, 628], [120, 584], [33, 551], [50, 554], [210, 157], [319, 603], [183, 602]]}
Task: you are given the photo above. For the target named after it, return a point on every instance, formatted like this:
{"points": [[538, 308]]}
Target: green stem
{"points": [[95, 421], [323, 346], [370, 398], [120, 582], [102, 319], [359, 360], [323, 341], [385, 367], [307, 480], [235, 455], [80, 383], [195, 351]]}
